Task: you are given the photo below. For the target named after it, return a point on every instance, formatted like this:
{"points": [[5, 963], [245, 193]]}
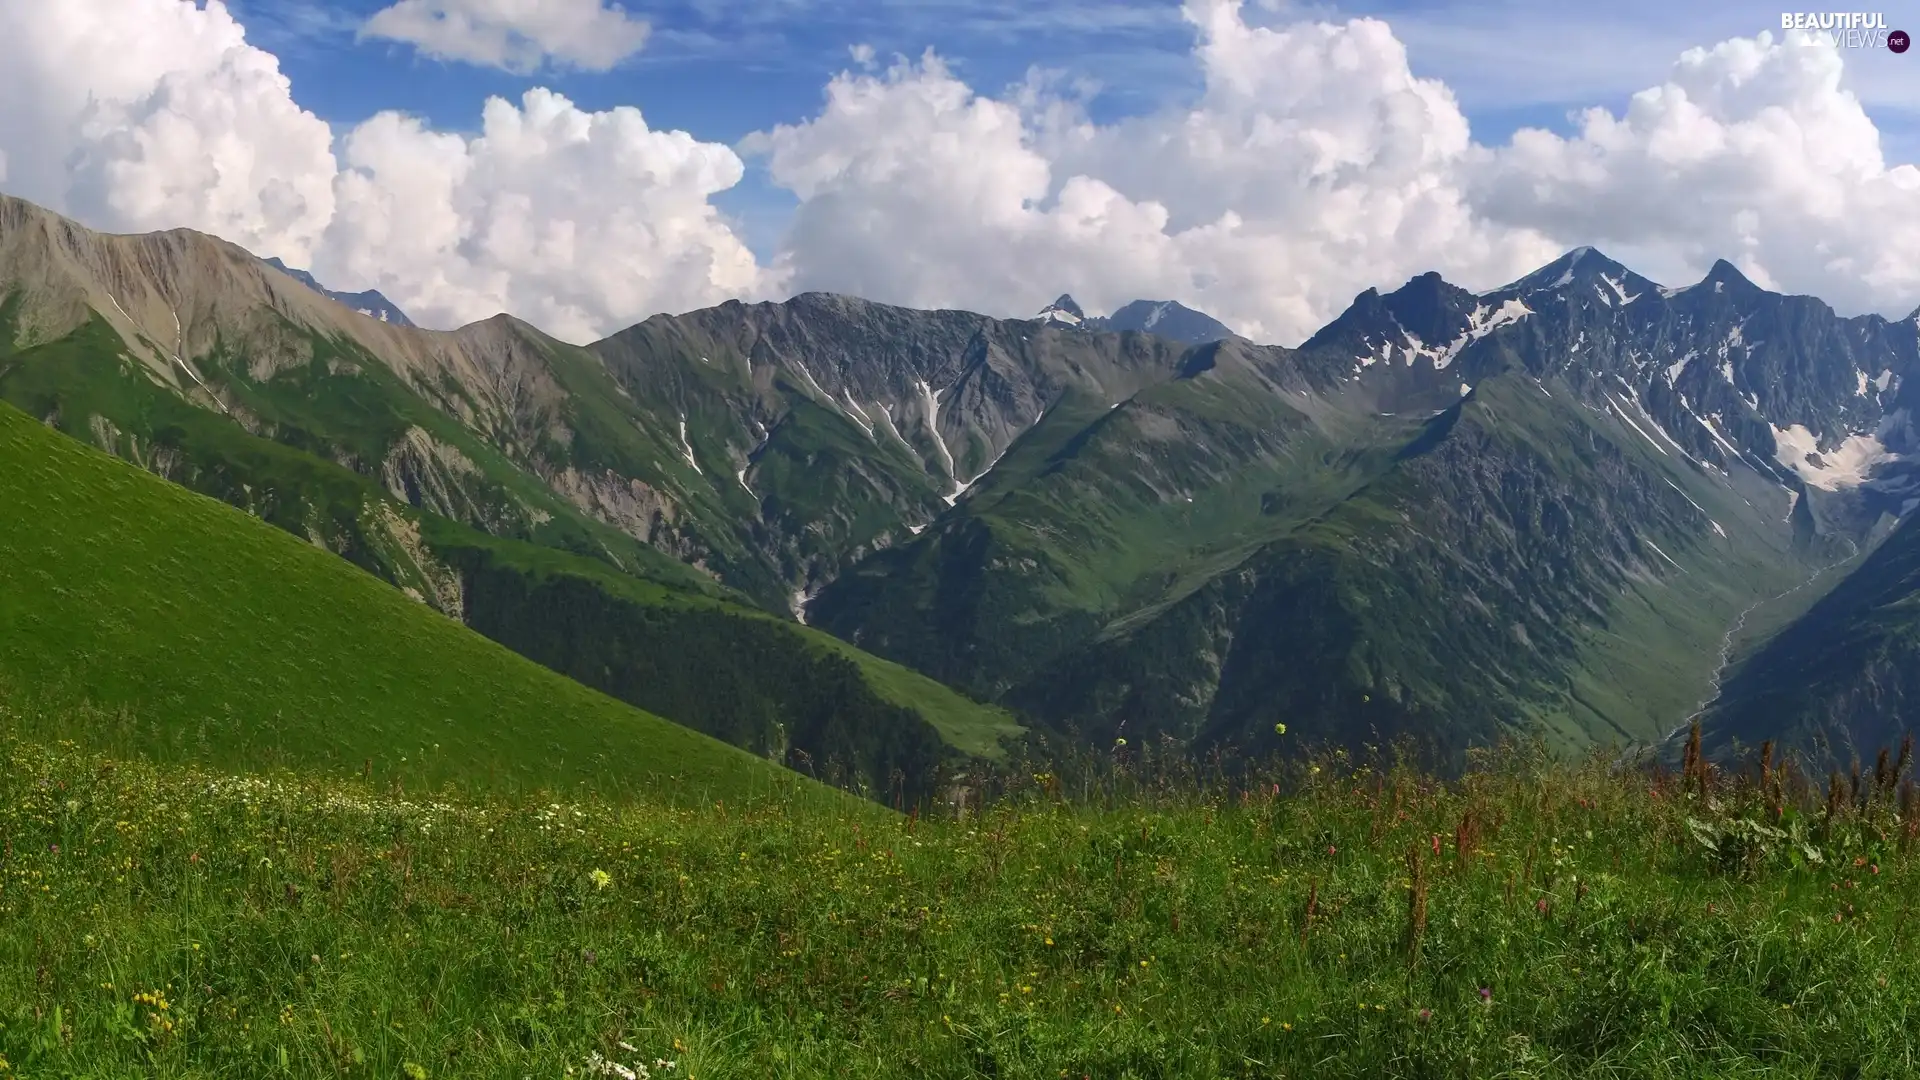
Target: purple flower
{"points": [[1486, 994]]}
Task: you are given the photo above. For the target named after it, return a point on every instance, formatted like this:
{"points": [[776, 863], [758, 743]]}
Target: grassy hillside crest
{"points": [[187, 629]]}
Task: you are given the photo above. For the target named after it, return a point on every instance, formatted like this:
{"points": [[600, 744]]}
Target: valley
{"points": [[885, 545]]}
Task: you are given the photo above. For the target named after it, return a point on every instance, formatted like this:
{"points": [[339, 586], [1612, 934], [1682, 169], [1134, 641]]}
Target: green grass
{"points": [[302, 927], [345, 404], [964, 724], [183, 628]]}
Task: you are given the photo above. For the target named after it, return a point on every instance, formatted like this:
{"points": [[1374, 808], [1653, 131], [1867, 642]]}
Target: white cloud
{"points": [[1313, 166], [148, 114], [514, 35], [1751, 151], [579, 222], [136, 115]]}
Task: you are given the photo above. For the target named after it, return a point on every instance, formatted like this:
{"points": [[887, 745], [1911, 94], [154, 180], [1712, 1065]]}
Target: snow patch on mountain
{"points": [[1845, 466], [1684, 495], [1482, 322], [686, 448], [857, 414], [960, 488], [1063, 311], [1620, 411], [932, 403], [1732, 451], [1619, 291]]}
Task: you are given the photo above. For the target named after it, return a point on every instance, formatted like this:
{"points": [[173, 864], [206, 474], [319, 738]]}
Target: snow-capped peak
{"points": [[1063, 310], [1581, 263]]}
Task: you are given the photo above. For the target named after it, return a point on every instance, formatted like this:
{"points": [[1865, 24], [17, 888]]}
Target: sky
{"points": [[584, 165]]}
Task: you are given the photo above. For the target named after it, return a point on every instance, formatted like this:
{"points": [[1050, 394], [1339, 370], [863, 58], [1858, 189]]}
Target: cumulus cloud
{"points": [[148, 114], [136, 115], [514, 35], [1313, 165], [579, 222], [1751, 151]]}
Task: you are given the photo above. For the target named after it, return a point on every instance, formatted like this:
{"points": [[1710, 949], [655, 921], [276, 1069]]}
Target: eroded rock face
{"points": [[421, 574], [622, 502], [427, 473]]}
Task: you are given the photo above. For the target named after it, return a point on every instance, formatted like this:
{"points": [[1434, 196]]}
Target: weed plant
{"points": [[1325, 919]]}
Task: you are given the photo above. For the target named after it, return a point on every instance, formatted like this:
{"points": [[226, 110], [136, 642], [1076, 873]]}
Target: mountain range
{"points": [[1165, 318], [1581, 505]]}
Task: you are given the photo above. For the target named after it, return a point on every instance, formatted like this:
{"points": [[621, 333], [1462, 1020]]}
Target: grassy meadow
{"points": [[1536, 919]]}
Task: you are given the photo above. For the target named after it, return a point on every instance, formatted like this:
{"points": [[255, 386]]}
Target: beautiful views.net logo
{"points": [[1848, 29]]}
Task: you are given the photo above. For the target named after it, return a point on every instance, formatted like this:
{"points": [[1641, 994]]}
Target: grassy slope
{"points": [[320, 929], [1503, 575], [1096, 517], [190, 629], [321, 409]]}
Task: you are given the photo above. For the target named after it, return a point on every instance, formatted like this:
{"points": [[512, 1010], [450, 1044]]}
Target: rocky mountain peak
{"points": [[1582, 272], [1169, 319], [369, 303], [1064, 310], [1725, 275]]}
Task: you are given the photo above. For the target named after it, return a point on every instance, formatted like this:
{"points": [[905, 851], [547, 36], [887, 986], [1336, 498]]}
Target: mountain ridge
{"points": [[369, 302], [1166, 318], [1004, 503]]}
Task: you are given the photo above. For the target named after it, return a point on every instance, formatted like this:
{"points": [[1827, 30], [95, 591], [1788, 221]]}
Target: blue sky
{"points": [[724, 68]]}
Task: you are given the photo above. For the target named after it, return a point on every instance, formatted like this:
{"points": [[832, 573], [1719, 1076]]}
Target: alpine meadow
{"points": [[552, 596]]}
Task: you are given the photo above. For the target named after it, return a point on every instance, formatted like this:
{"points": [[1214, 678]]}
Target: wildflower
{"points": [[1279, 729], [414, 1071], [1486, 995], [1540, 905], [1426, 1015], [600, 878], [1119, 742]]}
